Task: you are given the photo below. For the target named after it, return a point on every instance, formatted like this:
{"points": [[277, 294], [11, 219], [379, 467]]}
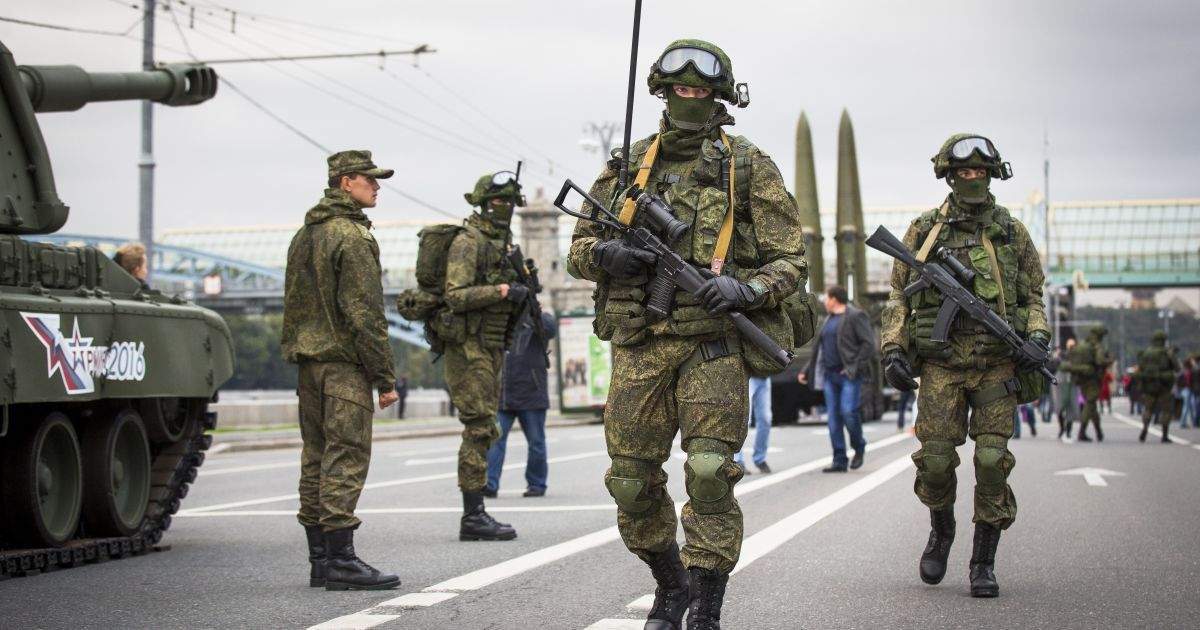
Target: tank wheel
{"points": [[116, 464], [43, 483], [166, 419]]}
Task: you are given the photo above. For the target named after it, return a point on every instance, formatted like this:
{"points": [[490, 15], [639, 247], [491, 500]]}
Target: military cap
{"points": [[356, 161]]}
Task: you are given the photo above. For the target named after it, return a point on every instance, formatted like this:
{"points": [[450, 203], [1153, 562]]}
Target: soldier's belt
{"points": [[992, 393], [712, 349]]}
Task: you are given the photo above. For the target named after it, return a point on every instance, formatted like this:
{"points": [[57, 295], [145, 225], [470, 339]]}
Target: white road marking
{"points": [[206, 472], [1152, 430], [489, 575], [417, 600], [357, 621], [596, 507], [220, 448], [618, 624], [1093, 476], [642, 604], [380, 484]]}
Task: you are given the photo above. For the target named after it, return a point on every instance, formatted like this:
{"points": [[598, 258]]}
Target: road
{"points": [[822, 551]]}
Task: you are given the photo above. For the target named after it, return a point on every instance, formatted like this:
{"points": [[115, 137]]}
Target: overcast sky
{"points": [[1113, 83]]}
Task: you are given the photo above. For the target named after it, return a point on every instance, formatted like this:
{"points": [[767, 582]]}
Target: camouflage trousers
{"points": [[659, 388], [1162, 404], [335, 423], [473, 376], [943, 402], [1091, 410]]}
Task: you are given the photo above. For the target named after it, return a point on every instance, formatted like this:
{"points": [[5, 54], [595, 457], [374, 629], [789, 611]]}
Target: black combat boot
{"points": [[344, 571], [1145, 428], [1166, 430], [1099, 433], [1082, 437], [708, 593], [672, 593], [937, 550], [316, 555], [477, 524], [983, 561]]}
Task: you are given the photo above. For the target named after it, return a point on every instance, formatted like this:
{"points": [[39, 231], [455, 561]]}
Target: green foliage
{"points": [[1129, 330]]}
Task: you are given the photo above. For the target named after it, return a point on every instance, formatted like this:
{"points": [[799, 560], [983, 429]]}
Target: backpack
{"points": [[425, 303]]}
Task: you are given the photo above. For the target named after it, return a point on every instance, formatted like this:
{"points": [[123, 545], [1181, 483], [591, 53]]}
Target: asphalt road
{"points": [[822, 551]]}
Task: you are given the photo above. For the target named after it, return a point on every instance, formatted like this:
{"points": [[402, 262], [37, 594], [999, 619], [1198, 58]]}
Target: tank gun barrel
{"points": [[68, 88]]}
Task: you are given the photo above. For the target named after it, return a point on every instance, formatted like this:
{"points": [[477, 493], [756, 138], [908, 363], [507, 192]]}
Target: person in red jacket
{"points": [[1106, 390]]}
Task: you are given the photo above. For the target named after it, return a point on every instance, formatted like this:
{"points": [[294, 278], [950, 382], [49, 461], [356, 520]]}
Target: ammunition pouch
{"points": [[920, 330], [447, 327], [1032, 386], [774, 321], [981, 398]]}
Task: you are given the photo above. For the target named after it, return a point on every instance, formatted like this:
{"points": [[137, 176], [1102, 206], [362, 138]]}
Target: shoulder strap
{"points": [[991, 252], [726, 233], [629, 209], [931, 238]]}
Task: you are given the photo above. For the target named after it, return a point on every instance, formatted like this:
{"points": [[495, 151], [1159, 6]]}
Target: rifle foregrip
{"points": [[756, 336]]}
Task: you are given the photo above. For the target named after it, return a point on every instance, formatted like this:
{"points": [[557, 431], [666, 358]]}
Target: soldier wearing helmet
{"points": [[481, 296], [970, 384], [1155, 376], [1087, 362], [687, 372]]}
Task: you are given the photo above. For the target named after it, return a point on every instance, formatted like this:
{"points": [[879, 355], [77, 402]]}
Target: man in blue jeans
{"points": [[524, 399], [841, 359], [760, 417]]}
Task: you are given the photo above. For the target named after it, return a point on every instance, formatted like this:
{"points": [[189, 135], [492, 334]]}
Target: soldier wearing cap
{"points": [[334, 329]]}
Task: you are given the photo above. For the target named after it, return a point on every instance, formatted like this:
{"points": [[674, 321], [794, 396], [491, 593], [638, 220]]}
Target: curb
{"points": [[241, 446]]}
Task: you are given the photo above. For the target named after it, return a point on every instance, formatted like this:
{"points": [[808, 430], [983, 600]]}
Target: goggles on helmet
{"points": [[503, 178], [975, 144], [675, 60]]}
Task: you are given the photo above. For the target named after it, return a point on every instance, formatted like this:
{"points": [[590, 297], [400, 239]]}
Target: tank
{"points": [[104, 382]]}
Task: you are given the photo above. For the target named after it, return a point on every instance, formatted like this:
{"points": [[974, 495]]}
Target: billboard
{"points": [[584, 365]]}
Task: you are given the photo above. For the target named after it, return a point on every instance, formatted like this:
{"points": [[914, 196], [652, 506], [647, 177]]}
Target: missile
{"points": [[851, 250], [806, 202]]}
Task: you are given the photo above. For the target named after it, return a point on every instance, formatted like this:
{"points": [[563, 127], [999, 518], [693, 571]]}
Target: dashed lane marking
{"points": [[205, 472], [489, 575], [357, 621], [1152, 430], [598, 507], [380, 484]]}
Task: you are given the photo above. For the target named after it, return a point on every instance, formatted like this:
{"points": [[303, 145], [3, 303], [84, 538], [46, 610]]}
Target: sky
{"points": [[1113, 85]]}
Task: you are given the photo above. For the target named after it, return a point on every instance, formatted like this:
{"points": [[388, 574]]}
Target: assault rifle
{"points": [[531, 308], [670, 265], [948, 276]]}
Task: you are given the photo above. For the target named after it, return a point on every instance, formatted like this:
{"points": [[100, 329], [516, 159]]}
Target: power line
{"points": [[293, 21], [71, 29], [381, 54]]}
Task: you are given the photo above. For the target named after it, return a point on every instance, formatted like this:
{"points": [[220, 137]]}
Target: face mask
{"points": [[689, 113], [500, 216], [971, 190]]}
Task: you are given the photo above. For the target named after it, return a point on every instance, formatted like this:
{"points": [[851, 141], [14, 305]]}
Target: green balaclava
{"points": [[689, 114], [970, 191], [500, 215]]}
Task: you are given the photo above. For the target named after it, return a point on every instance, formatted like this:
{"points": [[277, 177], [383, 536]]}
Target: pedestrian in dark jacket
{"points": [[524, 399], [841, 360]]}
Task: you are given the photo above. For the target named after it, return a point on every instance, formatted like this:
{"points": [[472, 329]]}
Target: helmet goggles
{"points": [[963, 149], [506, 179], [675, 60]]}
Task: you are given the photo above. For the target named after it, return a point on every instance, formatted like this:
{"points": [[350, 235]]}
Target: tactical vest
{"points": [[1156, 372], [999, 283], [1085, 363], [492, 325]]}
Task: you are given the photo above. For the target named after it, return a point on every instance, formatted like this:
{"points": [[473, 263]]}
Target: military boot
{"points": [[1145, 428], [937, 550], [983, 561], [316, 555], [477, 524], [344, 571], [1166, 430], [1099, 433], [672, 593], [708, 593], [1082, 437]]}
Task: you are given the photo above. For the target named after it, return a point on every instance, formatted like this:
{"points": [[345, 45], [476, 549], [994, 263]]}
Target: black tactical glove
{"points": [[726, 293], [517, 292], [622, 260], [898, 371], [1027, 363]]}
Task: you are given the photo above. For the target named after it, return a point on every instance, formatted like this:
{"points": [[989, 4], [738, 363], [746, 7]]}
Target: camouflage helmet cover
{"points": [[485, 191], [1159, 337], [943, 161], [723, 86], [1098, 332]]}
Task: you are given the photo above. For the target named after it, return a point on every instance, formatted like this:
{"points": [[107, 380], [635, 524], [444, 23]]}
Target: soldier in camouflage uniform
{"points": [[482, 297], [334, 328], [1155, 377], [686, 372], [973, 374], [1086, 362]]}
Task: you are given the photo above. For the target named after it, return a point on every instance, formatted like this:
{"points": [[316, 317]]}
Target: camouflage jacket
{"points": [[767, 249], [1087, 361], [908, 320], [475, 270], [333, 292], [1156, 369]]}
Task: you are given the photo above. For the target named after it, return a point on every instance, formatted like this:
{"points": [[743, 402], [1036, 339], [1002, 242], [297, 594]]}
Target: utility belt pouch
{"points": [[773, 321]]}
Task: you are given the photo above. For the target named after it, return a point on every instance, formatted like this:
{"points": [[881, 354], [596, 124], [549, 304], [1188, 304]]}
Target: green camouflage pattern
{"points": [[1086, 362], [1155, 377], [356, 161], [943, 162], [335, 423], [1161, 404], [484, 192], [943, 423], [724, 89], [661, 388], [972, 360], [476, 328], [333, 292]]}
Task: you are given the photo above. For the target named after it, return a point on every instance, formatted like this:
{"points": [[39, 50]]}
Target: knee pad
{"points": [[936, 462], [993, 461], [710, 475], [627, 481]]}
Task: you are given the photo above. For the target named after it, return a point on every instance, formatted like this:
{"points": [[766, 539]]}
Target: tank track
{"points": [[173, 470]]}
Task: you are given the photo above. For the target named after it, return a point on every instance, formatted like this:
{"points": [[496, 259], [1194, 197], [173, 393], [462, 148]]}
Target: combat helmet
{"points": [[1159, 338], [969, 150], [500, 185], [697, 63], [1098, 332]]}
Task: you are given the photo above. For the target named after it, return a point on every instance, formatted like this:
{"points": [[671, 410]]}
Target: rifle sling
{"points": [[995, 265], [629, 209]]}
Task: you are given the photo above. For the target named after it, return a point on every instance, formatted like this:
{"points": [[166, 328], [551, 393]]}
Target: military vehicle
{"points": [[104, 383]]}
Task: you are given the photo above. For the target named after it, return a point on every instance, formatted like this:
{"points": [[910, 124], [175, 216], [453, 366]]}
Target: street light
{"points": [[1166, 314]]}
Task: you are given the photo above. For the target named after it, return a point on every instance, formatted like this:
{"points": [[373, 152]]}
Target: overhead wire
{"points": [[71, 29], [293, 21]]}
